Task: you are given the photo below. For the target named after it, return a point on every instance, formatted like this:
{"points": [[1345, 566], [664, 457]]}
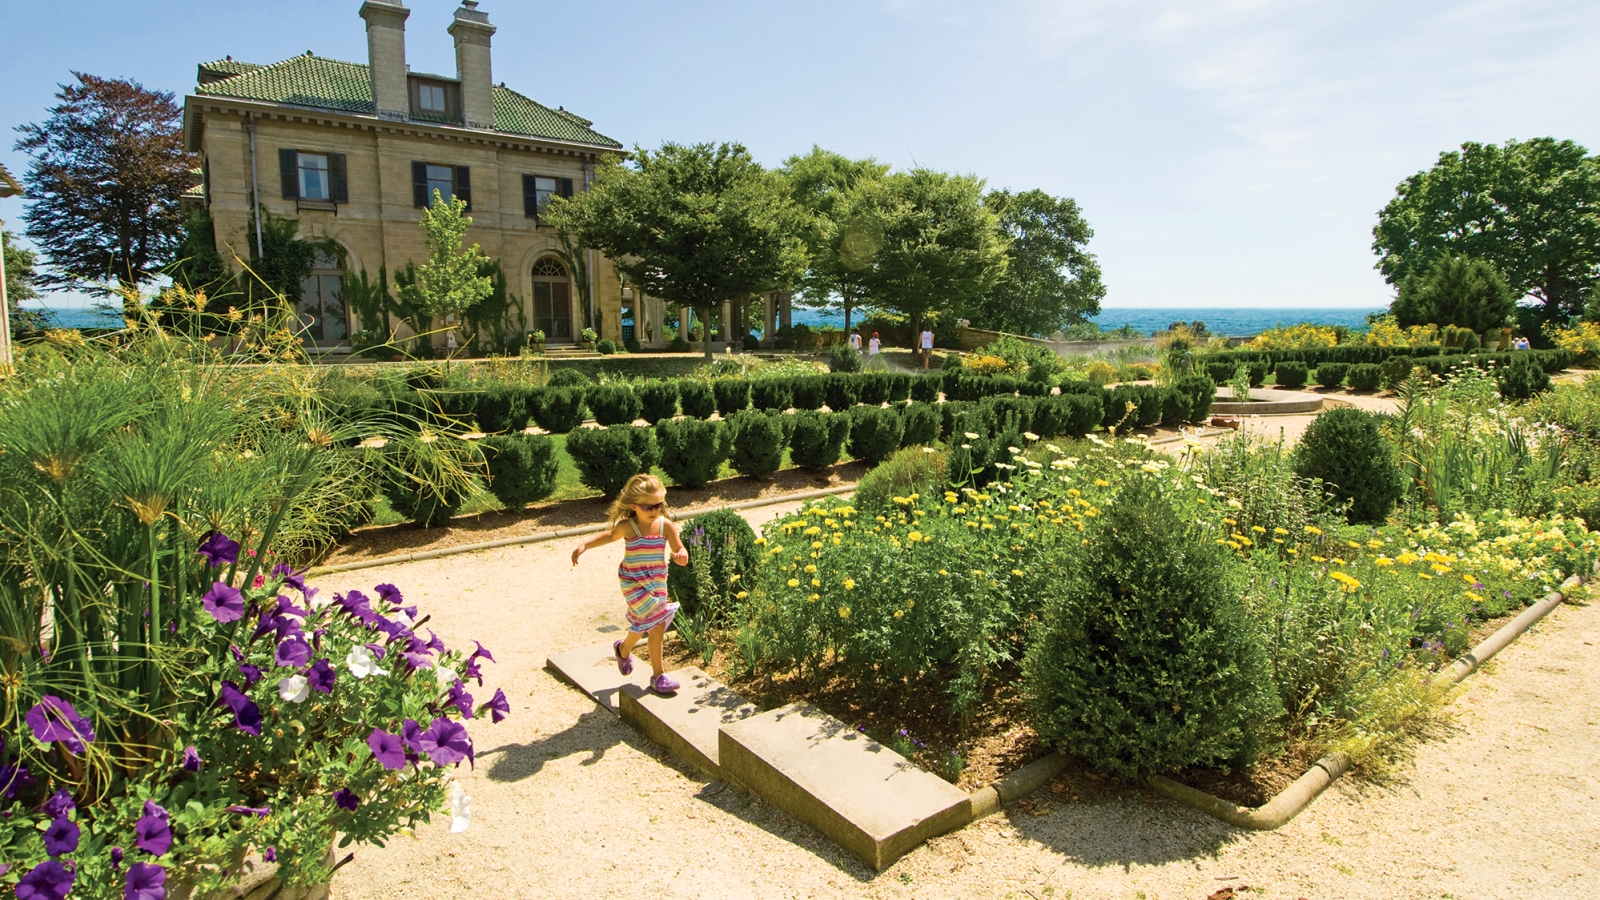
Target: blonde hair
{"points": [[638, 487]]}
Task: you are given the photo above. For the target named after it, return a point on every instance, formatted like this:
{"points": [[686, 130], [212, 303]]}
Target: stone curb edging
{"points": [[1291, 800], [556, 535], [1016, 784]]}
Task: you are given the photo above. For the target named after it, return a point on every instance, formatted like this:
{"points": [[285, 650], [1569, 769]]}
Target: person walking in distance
{"points": [[925, 345]]}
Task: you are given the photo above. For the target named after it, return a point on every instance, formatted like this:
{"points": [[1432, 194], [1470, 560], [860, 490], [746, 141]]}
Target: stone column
{"points": [[683, 322], [769, 310], [725, 329], [785, 309]]}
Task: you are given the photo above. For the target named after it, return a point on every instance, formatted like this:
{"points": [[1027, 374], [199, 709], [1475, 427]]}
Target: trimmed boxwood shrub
{"points": [[841, 391], [1521, 380], [1100, 394], [557, 410], [899, 387], [658, 400], [1396, 369], [1145, 660], [872, 388], [723, 546], [1027, 387], [771, 393], [607, 457], [1291, 376], [522, 467], [1003, 412], [925, 388], [1222, 371], [1344, 449], [569, 378], [1191, 398], [949, 412], [695, 398], [1332, 374], [460, 405], [758, 442], [816, 439], [1365, 376], [874, 433], [919, 424], [418, 486], [614, 404], [969, 388], [503, 408], [693, 450], [732, 395], [809, 392], [841, 358], [1148, 405]]}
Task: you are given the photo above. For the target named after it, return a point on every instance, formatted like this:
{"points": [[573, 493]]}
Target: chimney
{"points": [[386, 55], [472, 31]]}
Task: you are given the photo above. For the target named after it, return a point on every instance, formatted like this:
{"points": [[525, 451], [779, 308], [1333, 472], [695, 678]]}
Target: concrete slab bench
{"points": [[688, 721], [593, 670]]}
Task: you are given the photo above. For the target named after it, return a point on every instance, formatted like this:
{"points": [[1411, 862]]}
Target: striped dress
{"points": [[643, 574]]}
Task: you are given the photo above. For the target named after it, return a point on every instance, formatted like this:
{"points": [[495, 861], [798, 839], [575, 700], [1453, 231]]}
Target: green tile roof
{"points": [[229, 66], [320, 83]]}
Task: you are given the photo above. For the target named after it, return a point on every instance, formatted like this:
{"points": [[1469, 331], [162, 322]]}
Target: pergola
{"points": [[8, 188]]}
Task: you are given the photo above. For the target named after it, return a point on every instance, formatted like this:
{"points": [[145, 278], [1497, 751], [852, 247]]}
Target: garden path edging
{"points": [[1277, 812], [558, 534]]}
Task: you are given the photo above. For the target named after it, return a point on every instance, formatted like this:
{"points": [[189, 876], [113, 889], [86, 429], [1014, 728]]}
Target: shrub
{"points": [[925, 388], [949, 412], [841, 392], [607, 457], [809, 392], [1257, 372], [1455, 290], [732, 395], [1145, 661], [1396, 369], [841, 358], [908, 471], [874, 433], [614, 404], [696, 399], [899, 387], [751, 343], [1100, 372], [606, 346], [522, 467], [1365, 376], [503, 408], [872, 388], [1067, 415], [816, 439], [1291, 376], [1134, 406], [1008, 412], [1192, 396], [569, 378], [1332, 374], [557, 410], [658, 400], [1346, 451], [1221, 371], [419, 486], [723, 557], [678, 345], [692, 450], [771, 393], [919, 424], [632, 345], [1521, 380], [758, 441]]}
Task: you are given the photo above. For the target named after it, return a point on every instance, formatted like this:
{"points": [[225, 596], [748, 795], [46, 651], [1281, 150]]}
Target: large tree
{"points": [[842, 239], [19, 285], [942, 249], [1531, 209], [108, 168], [1052, 281], [1455, 290], [694, 225]]}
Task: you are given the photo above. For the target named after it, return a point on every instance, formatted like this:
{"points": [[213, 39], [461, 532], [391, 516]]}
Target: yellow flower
{"points": [[810, 568], [776, 550], [812, 530], [1424, 576], [1353, 545], [794, 582], [1312, 529], [1017, 572], [899, 613], [816, 545], [1233, 545], [1384, 561], [1374, 544], [1101, 482], [944, 572], [1441, 568], [910, 603], [1339, 562], [1229, 522], [1320, 559], [849, 584], [1406, 558], [914, 536], [1280, 531], [978, 572], [844, 612], [1468, 578], [816, 582], [1292, 551], [741, 595], [1258, 529], [761, 541]]}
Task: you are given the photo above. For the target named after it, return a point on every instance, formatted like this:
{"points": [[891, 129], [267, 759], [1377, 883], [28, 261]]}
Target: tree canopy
{"points": [[1531, 209], [694, 225], [1052, 281], [108, 168], [19, 285], [1455, 290], [842, 237]]}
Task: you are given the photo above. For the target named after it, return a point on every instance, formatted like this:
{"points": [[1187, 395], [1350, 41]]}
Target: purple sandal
{"points": [[624, 663], [663, 684]]}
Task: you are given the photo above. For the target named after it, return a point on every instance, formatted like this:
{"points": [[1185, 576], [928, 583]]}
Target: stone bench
{"points": [[689, 721]]}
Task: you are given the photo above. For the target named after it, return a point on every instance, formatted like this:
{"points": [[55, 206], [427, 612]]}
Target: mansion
{"points": [[356, 151]]}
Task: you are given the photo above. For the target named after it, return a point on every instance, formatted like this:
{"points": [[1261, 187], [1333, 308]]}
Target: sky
{"points": [[1232, 153]]}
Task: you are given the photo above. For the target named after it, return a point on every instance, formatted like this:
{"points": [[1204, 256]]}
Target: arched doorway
{"points": [[321, 305], [552, 299]]}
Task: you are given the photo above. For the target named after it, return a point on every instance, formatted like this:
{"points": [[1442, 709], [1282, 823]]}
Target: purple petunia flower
{"points": [[293, 652], [246, 714], [387, 749], [224, 603], [321, 675], [61, 836], [116, 858], [53, 719], [252, 674], [47, 881], [416, 661], [260, 812], [460, 699], [390, 594], [434, 643], [59, 804], [291, 578], [287, 608], [270, 854], [393, 629], [153, 830], [377, 650], [446, 742], [411, 735], [357, 605], [482, 651], [346, 799], [191, 759], [472, 671], [146, 881], [497, 706], [219, 549]]}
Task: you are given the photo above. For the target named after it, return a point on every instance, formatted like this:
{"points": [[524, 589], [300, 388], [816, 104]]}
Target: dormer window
{"points": [[434, 98]]}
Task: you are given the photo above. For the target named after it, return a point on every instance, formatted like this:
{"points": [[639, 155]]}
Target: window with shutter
{"points": [[338, 178], [566, 187], [463, 185], [420, 195], [289, 173], [530, 196]]}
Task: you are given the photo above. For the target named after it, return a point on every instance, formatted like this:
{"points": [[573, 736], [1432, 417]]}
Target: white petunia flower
{"points": [[445, 677], [460, 809], [970, 436], [361, 662], [294, 689]]}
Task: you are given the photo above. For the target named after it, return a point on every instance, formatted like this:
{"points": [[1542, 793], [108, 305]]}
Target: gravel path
{"points": [[572, 803]]}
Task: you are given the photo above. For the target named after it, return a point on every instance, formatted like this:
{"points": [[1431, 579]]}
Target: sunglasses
{"points": [[649, 507]]}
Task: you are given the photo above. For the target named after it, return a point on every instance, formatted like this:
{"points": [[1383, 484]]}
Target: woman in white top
{"points": [[855, 341], [872, 345], [925, 344]]}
